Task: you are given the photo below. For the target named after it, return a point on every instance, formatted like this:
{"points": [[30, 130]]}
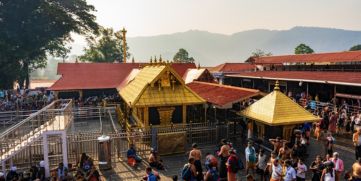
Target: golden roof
{"points": [[158, 85], [278, 109]]}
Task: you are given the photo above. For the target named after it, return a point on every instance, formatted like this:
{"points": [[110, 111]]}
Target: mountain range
{"points": [[210, 49]]}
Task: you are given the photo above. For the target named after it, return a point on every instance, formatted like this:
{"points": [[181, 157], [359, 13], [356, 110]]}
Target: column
{"points": [[146, 117], [46, 154], [249, 129], [64, 146], [184, 113], [80, 92]]}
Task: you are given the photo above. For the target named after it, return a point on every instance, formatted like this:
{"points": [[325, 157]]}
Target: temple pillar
{"points": [[184, 111], [56, 94], [249, 129], [80, 94], [146, 116]]}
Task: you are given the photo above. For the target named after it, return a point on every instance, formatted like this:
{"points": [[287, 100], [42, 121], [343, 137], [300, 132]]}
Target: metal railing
{"points": [[55, 116], [9, 118]]}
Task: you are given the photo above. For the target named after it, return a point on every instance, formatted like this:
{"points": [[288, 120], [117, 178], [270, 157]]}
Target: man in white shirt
{"points": [[251, 158], [290, 174], [276, 171]]}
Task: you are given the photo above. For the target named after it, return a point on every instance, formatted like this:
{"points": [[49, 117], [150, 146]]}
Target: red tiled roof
{"points": [[233, 67], [181, 68], [348, 56], [221, 95], [340, 78], [80, 76]]}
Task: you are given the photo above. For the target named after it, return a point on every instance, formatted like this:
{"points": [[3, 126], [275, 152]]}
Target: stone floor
{"points": [[174, 163]]}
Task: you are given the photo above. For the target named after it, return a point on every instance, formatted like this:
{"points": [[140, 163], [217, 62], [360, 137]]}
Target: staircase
{"points": [[54, 117]]}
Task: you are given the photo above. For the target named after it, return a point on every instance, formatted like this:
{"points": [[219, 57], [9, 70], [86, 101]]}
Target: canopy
{"points": [[278, 109]]}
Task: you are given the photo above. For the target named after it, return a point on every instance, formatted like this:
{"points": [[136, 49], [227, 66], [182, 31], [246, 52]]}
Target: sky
{"points": [[154, 17]]}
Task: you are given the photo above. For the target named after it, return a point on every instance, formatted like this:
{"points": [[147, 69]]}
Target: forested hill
{"points": [[211, 48]]}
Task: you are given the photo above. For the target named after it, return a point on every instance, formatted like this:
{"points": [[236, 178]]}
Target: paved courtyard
{"points": [[175, 163]]}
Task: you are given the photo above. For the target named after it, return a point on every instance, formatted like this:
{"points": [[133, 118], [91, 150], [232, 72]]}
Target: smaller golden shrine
{"points": [[276, 113], [157, 95]]}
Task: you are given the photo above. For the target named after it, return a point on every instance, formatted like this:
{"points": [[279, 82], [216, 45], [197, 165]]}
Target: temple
{"points": [[157, 95]]}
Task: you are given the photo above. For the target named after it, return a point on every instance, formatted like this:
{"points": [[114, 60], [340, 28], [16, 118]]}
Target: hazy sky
{"points": [[153, 17]]}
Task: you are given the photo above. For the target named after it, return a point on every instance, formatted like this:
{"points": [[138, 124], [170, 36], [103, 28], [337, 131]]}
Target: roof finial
{"points": [[277, 86], [160, 59], [133, 60], [151, 60], [199, 65], [155, 59]]}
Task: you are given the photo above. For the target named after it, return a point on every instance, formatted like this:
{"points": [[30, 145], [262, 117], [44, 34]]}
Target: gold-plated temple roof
{"points": [[278, 109], [158, 85]]}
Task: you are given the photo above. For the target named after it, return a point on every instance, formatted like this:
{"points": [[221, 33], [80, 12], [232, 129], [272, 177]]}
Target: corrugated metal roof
{"points": [[332, 57], [233, 67], [81, 76], [222, 96], [338, 78]]}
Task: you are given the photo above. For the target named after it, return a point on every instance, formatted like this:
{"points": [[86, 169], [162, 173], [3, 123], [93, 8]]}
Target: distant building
{"points": [[220, 71], [328, 77]]}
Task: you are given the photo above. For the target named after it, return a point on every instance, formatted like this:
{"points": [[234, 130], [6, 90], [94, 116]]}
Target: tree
{"points": [[107, 47], [356, 47], [33, 29], [63, 53], [303, 49], [182, 56], [260, 53]]}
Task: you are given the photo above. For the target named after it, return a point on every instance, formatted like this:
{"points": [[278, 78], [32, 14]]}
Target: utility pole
{"points": [[124, 46]]}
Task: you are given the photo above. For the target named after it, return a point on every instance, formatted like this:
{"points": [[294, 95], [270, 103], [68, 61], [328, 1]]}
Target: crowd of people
{"points": [[282, 164], [97, 100], [19, 100], [85, 170]]}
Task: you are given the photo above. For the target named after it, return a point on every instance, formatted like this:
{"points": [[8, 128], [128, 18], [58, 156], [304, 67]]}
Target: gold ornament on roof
{"points": [[277, 86]]}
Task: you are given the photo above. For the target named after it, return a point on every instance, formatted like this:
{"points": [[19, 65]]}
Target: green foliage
{"points": [[32, 29], [182, 56], [107, 47], [303, 49], [260, 53], [356, 47]]}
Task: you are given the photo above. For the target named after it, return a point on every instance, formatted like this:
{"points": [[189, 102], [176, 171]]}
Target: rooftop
{"points": [[233, 67], [158, 85], [278, 109], [81, 76], [332, 57], [222, 96], [338, 78]]}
